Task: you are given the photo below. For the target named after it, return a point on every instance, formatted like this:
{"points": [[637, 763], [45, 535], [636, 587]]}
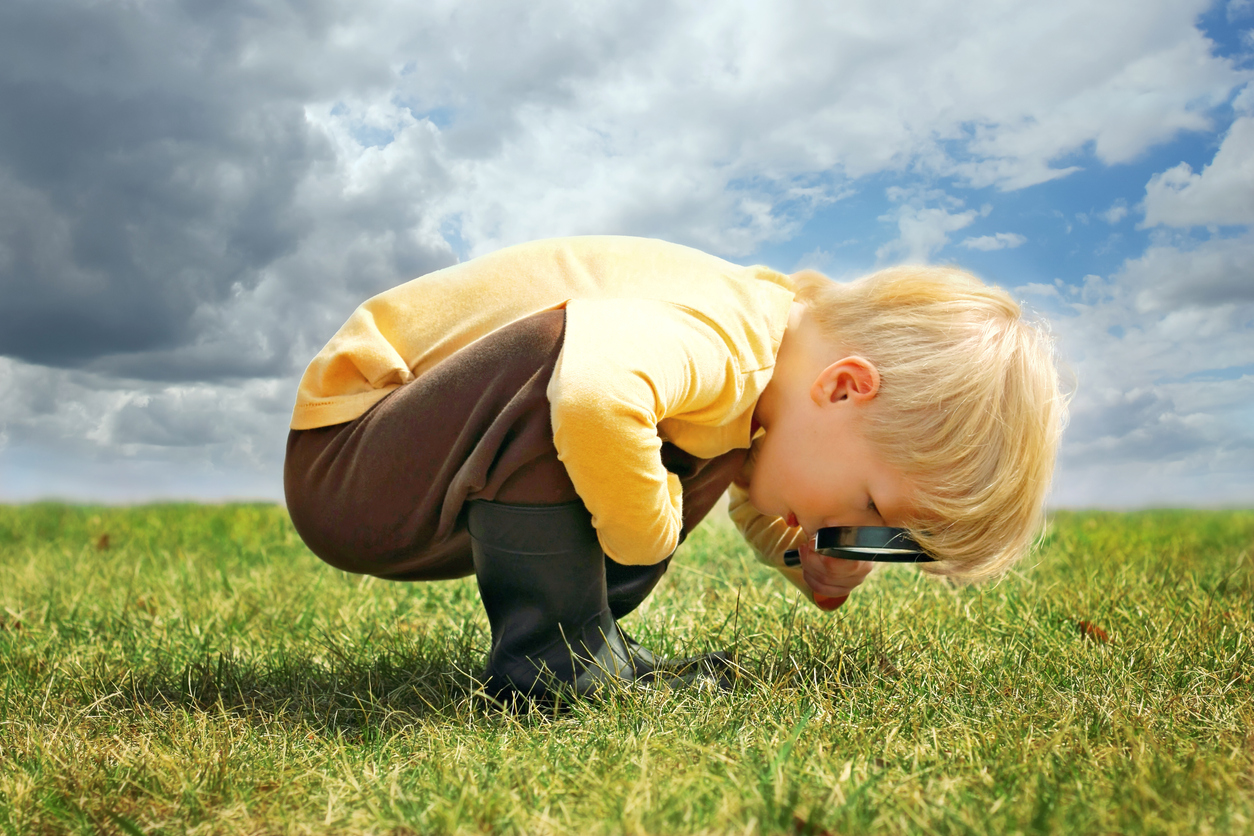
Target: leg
{"points": [[541, 576], [385, 494], [703, 481], [391, 493], [553, 598]]}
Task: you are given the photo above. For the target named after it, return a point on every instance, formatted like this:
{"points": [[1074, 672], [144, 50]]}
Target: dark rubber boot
{"points": [[627, 587], [541, 574]]}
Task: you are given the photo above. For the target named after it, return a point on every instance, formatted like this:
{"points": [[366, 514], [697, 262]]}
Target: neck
{"points": [[790, 360]]}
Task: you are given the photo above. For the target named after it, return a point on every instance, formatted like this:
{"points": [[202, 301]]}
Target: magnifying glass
{"points": [[877, 543]]}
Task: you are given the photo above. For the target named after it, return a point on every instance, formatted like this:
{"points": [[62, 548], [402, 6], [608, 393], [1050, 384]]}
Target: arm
{"points": [[826, 581], [769, 537], [627, 364]]}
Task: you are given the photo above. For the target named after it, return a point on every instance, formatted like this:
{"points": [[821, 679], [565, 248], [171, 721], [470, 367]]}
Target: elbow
{"points": [[642, 551]]}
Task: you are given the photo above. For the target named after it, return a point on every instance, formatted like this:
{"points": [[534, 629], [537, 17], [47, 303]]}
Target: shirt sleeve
{"points": [[769, 537], [627, 364]]}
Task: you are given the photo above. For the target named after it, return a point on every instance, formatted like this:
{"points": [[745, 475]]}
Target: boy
{"points": [[556, 417]]}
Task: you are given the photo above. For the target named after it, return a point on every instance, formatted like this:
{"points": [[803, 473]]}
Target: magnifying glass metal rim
{"points": [[876, 543]]}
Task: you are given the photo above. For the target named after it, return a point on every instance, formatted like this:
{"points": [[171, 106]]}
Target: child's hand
{"points": [[831, 578]]}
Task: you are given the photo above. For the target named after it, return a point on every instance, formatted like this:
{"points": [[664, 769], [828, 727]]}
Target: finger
{"points": [[829, 604], [828, 590], [833, 584], [821, 584], [858, 568], [847, 572], [834, 571]]}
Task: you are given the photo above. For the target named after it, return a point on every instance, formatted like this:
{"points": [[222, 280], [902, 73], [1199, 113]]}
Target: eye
{"points": [[874, 509]]}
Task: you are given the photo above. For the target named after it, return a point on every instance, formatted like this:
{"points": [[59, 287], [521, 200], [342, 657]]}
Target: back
{"points": [[398, 334]]}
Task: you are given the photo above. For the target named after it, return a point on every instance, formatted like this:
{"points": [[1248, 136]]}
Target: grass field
{"points": [[190, 669]]}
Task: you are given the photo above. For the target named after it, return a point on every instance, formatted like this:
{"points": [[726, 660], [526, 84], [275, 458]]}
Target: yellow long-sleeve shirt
{"points": [[662, 342]]}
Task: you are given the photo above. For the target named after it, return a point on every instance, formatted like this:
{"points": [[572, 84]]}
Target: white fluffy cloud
{"points": [[923, 230], [1164, 348], [724, 125], [1116, 213], [1222, 194]]}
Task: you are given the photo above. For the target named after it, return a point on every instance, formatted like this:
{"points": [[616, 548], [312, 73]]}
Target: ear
{"points": [[853, 379]]}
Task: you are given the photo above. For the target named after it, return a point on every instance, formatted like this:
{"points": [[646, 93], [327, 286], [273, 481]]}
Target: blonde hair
{"points": [[969, 405]]}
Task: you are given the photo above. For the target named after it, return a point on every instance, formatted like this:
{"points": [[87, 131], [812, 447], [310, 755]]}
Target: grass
{"points": [[193, 669]]}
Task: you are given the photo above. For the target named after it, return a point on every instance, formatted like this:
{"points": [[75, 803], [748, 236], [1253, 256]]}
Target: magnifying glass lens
{"points": [[876, 543]]}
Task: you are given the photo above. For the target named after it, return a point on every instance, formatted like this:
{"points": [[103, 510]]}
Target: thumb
{"points": [[829, 604]]}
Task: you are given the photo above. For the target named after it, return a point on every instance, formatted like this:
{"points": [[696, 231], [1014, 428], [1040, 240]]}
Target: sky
{"points": [[195, 195]]}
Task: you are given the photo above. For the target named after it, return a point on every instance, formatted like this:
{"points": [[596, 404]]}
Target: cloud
{"points": [[1215, 274], [999, 241], [816, 259], [157, 165], [1222, 194], [1164, 411], [68, 433], [193, 197], [923, 229], [161, 163], [1184, 444], [1116, 213]]}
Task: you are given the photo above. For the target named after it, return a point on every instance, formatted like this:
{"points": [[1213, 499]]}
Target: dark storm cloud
{"points": [[156, 162], [149, 164]]}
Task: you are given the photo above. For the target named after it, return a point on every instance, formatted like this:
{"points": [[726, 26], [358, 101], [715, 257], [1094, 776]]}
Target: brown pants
{"points": [[386, 494]]}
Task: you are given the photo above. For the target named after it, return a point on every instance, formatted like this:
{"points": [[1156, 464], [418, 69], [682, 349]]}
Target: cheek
{"points": [[814, 485]]}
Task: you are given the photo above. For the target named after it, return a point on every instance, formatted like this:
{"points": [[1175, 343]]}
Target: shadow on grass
{"points": [[373, 686], [355, 693]]}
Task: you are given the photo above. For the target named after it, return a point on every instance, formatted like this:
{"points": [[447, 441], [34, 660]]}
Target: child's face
{"points": [[815, 468]]}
